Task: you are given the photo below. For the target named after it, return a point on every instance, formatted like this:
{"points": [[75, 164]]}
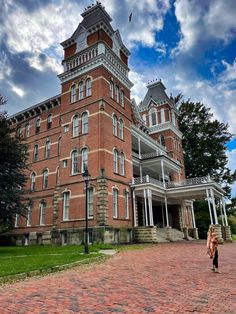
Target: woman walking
{"points": [[212, 248]]}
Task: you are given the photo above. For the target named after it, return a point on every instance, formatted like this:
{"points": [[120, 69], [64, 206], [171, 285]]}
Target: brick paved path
{"points": [[166, 278]]}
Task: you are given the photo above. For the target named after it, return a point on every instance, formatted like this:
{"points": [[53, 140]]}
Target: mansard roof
{"points": [[156, 93]]}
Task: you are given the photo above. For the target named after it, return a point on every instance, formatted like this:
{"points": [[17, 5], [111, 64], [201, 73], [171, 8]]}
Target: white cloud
{"points": [[232, 166], [16, 89], [139, 88]]}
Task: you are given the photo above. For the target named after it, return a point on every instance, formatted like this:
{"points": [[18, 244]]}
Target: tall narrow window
{"points": [[126, 204], [57, 175], [114, 123], [122, 164], [47, 149], [59, 146], [27, 130], [19, 132], [153, 117], [37, 126], [45, 179], [122, 98], [81, 90], [84, 119], [29, 216], [74, 162], [33, 179], [90, 202], [162, 140], [117, 93], [49, 121], [111, 89], [84, 165], [17, 220], [75, 125], [73, 93], [121, 129], [115, 202], [36, 152], [42, 207], [66, 205], [88, 87], [115, 161]]}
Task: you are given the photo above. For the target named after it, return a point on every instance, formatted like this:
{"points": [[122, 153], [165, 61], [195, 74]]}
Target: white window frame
{"points": [[27, 130], [90, 202], [81, 90], [115, 195], [115, 160], [114, 124], [126, 204], [121, 129], [37, 125], [29, 216], [66, 205], [49, 121], [153, 114], [17, 220], [117, 93], [36, 152], [111, 86], [88, 87], [47, 149], [73, 93], [45, 178], [74, 162], [33, 181], [122, 164], [75, 126], [84, 159], [84, 121], [42, 207], [122, 98]]}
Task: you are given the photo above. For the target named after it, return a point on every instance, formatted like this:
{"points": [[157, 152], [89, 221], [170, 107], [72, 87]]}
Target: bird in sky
{"points": [[130, 17]]}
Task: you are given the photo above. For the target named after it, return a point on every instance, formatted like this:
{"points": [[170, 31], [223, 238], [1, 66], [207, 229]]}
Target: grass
{"points": [[234, 237], [16, 260]]}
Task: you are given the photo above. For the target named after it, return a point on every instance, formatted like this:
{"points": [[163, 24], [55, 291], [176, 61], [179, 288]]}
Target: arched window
{"points": [[47, 149], [19, 132], [75, 125], [59, 146], [122, 164], [73, 93], [27, 130], [36, 152], [49, 121], [37, 125], [115, 161], [117, 93], [122, 98], [66, 205], [88, 87], [126, 204], [84, 154], [81, 90], [121, 129], [74, 162], [90, 202], [111, 89], [33, 179], [29, 216], [42, 207], [153, 117], [84, 119], [114, 123], [115, 202], [162, 140], [45, 179]]}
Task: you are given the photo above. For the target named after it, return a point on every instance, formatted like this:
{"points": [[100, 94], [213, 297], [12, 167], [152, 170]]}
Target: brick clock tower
{"points": [[95, 133]]}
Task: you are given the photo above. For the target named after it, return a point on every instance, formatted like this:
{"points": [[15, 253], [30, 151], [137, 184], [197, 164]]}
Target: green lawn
{"points": [[234, 237]]}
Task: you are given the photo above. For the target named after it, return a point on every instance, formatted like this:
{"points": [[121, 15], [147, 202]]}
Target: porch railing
{"points": [[147, 179]]}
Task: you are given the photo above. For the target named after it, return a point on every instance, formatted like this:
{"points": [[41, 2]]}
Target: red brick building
{"points": [[133, 153]]}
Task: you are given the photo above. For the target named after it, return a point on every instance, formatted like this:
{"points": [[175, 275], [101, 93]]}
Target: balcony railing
{"points": [[169, 185], [82, 58], [149, 155]]}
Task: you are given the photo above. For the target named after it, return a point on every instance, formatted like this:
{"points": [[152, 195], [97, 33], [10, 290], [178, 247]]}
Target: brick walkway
{"points": [[167, 278]]}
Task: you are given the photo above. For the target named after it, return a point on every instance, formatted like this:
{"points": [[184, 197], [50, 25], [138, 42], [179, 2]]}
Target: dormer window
{"points": [[153, 117]]}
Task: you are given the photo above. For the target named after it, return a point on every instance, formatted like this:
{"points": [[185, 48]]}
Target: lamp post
{"points": [[86, 177]]}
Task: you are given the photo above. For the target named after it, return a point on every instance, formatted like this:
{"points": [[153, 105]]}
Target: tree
{"points": [[204, 144], [13, 158]]}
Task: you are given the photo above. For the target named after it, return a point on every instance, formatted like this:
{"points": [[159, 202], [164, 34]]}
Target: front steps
{"points": [[151, 234]]}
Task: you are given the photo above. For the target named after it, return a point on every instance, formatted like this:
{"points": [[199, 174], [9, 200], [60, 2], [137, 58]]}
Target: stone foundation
{"points": [[145, 234], [217, 230], [226, 231]]}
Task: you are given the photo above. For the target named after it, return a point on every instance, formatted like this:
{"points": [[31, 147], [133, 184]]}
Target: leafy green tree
{"points": [[13, 158], [204, 144]]}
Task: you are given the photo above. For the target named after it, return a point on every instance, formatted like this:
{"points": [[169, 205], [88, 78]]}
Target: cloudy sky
{"points": [[189, 44]]}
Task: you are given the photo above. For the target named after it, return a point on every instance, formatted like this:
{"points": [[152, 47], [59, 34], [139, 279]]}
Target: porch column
{"points": [[209, 206], [145, 207], [167, 218], [162, 212], [214, 206], [193, 216], [226, 218], [140, 172], [139, 148], [134, 202], [163, 173], [149, 192], [221, 213], [182, 214]]}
